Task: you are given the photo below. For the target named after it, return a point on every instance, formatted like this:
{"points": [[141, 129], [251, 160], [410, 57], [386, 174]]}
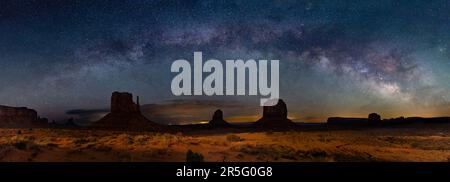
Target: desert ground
{"points": [[412, 143]]}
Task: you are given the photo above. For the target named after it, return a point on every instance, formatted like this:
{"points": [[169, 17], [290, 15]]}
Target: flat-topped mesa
{"points": [[275, 115], [125, 115], [17, 116], [372, 119], [217, 120]]}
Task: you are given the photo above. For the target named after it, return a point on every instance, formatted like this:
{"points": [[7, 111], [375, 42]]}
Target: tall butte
{"points": [[125, 115], [275, 116]]}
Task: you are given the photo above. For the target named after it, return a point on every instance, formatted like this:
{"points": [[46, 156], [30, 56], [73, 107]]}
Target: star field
{"points": [[345, 58]]}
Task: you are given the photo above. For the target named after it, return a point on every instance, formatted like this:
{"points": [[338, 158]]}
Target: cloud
{"points": [[179, 111], [194, 111], [84, 117]]}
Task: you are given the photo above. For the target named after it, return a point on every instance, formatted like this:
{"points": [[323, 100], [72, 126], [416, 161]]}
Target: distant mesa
{"points": [[217, 120], [17, 117], [124, 115], [346, 121], [409, 120], [275, 115], [372, 119]]}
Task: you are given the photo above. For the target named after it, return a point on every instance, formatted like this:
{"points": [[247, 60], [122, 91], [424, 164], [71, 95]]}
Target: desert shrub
{"points": [[75, 152], [80, 141], [354, 156], [30, 138], [130, 140], [163, 151], [270, 151], [124, 157], [194, 143], [316, 153], [21, 145], [234, 138], [52, 145], [141, 140], [4, 150], [35, 150], [252, 149], [194, 157], [103, 149]]}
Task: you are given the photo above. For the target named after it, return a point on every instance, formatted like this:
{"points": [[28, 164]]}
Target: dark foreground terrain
{"points": [[418, 142]]}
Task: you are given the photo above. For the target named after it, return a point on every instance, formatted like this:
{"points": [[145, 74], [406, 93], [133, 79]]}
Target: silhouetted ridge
{"points": [[372, 119], [346, 121], [375, 119]]}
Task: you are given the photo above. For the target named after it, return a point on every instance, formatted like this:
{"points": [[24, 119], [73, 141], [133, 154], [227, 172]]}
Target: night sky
{"points": [[337, 58]]}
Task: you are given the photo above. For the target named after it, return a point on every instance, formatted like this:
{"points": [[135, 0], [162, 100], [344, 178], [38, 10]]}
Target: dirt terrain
{"points": [[413, 143]]}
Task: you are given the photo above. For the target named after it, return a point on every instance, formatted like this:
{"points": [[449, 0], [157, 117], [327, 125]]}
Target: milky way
{"points": [[336, 58]]}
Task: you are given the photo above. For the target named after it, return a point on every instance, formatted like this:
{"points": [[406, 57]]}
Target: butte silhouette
{"points": [[125, 115]]}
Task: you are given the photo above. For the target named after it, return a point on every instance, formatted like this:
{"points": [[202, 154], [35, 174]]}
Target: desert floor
{"points": [[418, 143]]}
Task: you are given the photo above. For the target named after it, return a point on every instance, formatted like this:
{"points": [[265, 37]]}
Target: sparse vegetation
{"points": [[103, 148], [80, 141], [194, 157], [270, 151], [234, 138], [84, 145], [23, 142], [35, 150], [52, 145], [21, 145], [124, 157]]}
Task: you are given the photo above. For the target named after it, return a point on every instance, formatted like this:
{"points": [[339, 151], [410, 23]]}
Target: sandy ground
{"points": [[420, 143]]}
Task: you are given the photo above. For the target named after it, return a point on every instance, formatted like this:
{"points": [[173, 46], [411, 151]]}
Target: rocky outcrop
{"points": [[124, 115], [275, 115], [374, 118], [217, 120], [17, 116]]}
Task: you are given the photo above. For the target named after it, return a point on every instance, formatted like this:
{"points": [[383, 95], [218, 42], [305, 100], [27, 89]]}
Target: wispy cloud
{"points": [[181, 111]]}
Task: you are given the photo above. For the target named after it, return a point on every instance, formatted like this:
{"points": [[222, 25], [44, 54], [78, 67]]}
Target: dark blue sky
{"points": [[343, 58]]}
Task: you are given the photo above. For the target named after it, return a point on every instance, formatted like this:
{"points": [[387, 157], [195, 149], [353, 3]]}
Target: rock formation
{"points": [[124, 115], [217, 120], [123, 103], [275, 115], [17, 116], [374, 118]]}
